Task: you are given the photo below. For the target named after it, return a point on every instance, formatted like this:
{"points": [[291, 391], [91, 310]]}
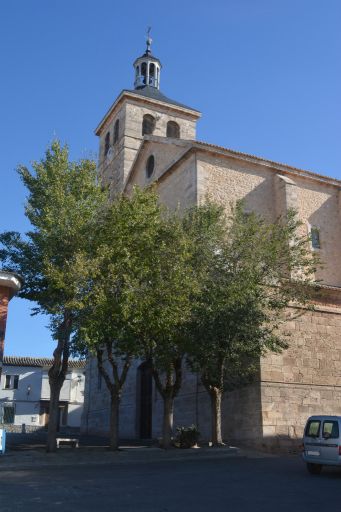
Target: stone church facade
{"points": [[147, 138]]}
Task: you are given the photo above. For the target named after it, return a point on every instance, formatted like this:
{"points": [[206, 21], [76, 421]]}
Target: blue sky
{"points": [[265, 74]]}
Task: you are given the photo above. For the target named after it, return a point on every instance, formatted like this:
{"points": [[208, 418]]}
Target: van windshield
{"points": [[313, 428]]}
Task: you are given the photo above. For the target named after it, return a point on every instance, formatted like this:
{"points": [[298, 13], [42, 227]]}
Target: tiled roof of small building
{"points": [[37, 361]]}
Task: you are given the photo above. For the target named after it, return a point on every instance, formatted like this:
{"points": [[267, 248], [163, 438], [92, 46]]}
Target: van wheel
{"points": [[314, 469]]}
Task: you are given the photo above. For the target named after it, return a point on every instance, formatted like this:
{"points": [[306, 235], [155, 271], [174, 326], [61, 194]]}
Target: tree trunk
{"points": [[114, 420], [167, 427], [51, 445], [216, 398], [57, 374], [168, 391], [115, 389]]}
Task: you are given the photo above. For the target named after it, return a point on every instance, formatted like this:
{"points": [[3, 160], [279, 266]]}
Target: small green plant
{"points": [[187, 437]]}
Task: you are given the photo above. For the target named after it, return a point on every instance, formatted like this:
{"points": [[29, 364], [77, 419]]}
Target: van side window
{"points": [[330, 429], [313, 428]]}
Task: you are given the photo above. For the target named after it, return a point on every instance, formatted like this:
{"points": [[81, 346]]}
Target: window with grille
{"points": [[9, 414], [11, 381]]}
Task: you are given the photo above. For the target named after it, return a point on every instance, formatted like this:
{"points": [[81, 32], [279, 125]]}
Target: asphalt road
{"points": [[273, 484]]}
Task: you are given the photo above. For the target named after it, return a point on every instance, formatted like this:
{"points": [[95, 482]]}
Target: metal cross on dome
{"points": [[149, 40]]}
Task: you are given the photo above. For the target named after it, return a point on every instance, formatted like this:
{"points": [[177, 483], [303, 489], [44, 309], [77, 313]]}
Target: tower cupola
{"points": [[147, 68]]}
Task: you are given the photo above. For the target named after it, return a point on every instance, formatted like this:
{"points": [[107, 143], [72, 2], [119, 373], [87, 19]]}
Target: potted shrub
{"points": [[187, 437]]}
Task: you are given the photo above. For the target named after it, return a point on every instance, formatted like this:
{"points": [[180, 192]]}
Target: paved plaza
{"points": [[179, 481]]}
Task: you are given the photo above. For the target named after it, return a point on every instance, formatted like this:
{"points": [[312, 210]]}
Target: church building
{"points": [[145, 138]]}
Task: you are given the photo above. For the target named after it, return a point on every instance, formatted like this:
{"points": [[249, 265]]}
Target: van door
{"points": [[330, 441], [312, 440]]}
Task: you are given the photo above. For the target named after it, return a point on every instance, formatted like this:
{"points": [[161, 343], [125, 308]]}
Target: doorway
{"points": [[45, 414], [145, 400]]}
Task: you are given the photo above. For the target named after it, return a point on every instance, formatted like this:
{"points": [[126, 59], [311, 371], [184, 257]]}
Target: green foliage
{"points": [[250, 272], [126, 236], [160, 300], [54, 258]]}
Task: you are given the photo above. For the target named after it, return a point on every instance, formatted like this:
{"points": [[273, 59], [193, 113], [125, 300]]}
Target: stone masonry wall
{"points": [[305, 379], [182, 181], [130, 115], [318, 206], [164, 155], [228, 180], [264, 191]]}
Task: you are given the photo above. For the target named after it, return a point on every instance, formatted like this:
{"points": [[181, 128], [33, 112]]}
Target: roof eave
{"points": [[159, 140], [194, 113], [285, 168]]}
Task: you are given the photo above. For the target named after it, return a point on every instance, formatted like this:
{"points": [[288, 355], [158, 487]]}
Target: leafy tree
{"points": [[54, 258], [250, 272], [160, 305], [126, 236]]}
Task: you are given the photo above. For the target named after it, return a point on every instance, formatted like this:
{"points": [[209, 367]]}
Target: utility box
{"points": [[2, 441]]}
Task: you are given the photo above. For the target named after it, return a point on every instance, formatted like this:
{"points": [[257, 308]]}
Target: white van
{"points": [[322, 442]]}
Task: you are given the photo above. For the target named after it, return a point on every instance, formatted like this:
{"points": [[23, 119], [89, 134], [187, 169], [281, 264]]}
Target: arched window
{"points": [[116, 130], [150, 166], [152, 74], [106, 144], [173, 130], [148, 125], [144, 72]]}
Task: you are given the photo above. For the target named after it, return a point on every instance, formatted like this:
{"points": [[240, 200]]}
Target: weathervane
{"points": [[149, 40]]}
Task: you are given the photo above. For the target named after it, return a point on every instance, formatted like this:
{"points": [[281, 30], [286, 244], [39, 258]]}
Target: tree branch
{"points": [[178, 376], [113, 363], [103, 371], [158, 382], [125, 370]]}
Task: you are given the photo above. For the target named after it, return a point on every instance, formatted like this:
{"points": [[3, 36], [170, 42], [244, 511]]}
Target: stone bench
{"points": [[73, 442]]}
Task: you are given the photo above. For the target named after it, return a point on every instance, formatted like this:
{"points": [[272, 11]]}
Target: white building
{"points": [[25, 394]]}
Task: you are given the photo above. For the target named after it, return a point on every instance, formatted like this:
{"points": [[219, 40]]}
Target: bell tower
{"points": [[136, 113], [147, 68]]}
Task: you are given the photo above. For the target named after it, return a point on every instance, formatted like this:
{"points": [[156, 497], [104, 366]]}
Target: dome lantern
{"points": [[147, 68]]}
